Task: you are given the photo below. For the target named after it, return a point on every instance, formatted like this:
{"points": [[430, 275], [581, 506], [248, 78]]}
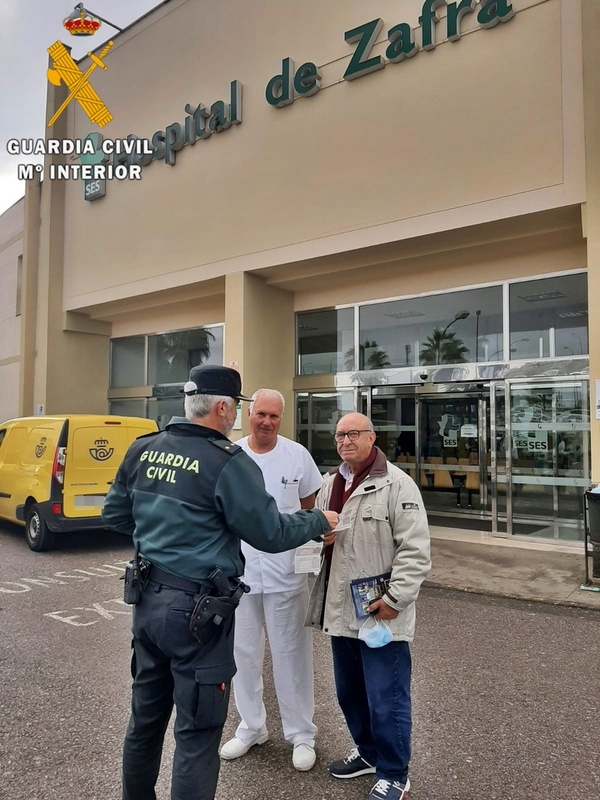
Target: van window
{"points": [[2, 435], [40, 446]]}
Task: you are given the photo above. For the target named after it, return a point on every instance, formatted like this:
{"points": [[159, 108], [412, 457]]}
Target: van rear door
{"points": [[95, 449], [34, 477], [137, 426]]}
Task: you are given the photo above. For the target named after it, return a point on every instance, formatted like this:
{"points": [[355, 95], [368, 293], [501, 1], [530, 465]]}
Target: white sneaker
{"points": [[236, 747], [304, 757]]}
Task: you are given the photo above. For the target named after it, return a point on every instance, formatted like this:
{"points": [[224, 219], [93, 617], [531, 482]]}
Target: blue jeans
{"points": [[170, 667], [373, 690]]}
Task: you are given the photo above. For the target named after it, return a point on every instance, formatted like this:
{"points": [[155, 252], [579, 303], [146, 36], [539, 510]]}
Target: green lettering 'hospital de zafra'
{"points": [[390, 208]]}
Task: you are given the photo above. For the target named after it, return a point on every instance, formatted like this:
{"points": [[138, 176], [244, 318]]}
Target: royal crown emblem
{"points": [[101, 451], [81, 22], [40, 448]]}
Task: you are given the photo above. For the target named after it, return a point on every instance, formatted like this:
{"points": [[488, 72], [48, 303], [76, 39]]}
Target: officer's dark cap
{"points": [[220, 381]]}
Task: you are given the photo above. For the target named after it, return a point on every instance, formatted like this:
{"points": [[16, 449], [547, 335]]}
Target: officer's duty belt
{"points": [[159, 575]]}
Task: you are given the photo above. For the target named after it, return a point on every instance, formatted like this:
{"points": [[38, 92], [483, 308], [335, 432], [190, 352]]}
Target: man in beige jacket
{"points": [[382, 533]]}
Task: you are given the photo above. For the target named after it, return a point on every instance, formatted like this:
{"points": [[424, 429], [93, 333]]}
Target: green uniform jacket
{"points": [[188, 495]]}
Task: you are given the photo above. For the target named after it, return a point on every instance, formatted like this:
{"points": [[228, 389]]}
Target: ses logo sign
{"points": [[531, 441]]}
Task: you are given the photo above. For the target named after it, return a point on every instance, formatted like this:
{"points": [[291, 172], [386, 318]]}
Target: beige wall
{"points": [[11, 250], [9, 391], [170, 317], [549, 243], [460, 166], [474, 130]]}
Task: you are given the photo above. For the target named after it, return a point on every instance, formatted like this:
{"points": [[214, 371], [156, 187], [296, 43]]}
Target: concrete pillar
{"points": [[259, 339], [29, 295], [591, 95]]}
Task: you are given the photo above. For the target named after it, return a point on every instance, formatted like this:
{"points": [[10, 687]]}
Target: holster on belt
{"points": [[135, 577], [216, 605]]}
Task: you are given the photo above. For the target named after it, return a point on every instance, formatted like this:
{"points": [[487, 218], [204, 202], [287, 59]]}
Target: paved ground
{"points": [[550, 573], [506, 692]]}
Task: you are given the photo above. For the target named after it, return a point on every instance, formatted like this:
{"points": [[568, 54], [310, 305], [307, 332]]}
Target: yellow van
{"points": [[55, 470]]}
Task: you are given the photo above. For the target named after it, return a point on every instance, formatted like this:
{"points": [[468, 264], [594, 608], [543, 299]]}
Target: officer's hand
{"points": [[329, 538], [332, 518], [383, 610]]}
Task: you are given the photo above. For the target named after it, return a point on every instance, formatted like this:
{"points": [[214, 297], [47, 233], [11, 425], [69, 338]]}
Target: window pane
{"points": [[440, 329], [393, 417], [128, 408], [326, 341], [549, 317], [317, 415], [162, 409], [127, 362], [301, 409], [325, 411], [172, 355]]}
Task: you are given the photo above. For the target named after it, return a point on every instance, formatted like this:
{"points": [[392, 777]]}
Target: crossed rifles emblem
{"points": [[78, 83]]}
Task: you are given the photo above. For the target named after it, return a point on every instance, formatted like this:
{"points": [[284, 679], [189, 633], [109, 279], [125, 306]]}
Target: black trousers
{"points": [[169, 667]]}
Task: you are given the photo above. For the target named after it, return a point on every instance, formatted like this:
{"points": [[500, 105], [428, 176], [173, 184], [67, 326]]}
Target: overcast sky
{"points": [[27, 29]]}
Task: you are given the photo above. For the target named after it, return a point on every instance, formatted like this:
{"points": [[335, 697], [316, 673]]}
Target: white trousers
{"points": [[282, 613]]}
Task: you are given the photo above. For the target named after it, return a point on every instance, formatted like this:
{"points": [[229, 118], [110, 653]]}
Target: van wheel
{"points": [[38, 535]]}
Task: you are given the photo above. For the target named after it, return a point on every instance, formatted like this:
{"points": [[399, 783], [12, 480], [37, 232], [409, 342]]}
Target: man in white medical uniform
{"points": [[278, 599]]}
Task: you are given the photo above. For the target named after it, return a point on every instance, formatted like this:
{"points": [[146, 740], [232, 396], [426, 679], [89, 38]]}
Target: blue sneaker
{"points": [[389, 790], [351, 767]]}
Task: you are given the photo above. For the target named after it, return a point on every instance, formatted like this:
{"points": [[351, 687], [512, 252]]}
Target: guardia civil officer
{"points": [[188, 495]]}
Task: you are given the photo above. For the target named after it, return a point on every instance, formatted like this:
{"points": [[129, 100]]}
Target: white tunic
{"points": [[290, 475]]}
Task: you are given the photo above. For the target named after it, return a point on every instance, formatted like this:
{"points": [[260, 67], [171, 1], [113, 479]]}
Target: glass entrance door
{"points": [[508, 457], [445, 441], [548, 458], [454, 462]]}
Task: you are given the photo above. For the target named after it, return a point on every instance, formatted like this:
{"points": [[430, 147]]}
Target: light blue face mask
{"points": [[377, 636]]}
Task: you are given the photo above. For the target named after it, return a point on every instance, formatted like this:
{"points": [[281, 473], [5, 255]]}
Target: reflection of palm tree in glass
{"points": [[182, 350], [442, 347], [200, 351], [377, 359]]}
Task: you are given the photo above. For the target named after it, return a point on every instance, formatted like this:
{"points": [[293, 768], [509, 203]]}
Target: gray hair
{"points": [[270, 394], [199, 405]]}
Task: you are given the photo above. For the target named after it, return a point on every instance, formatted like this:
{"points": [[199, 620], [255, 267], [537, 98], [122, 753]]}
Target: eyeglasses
{"points": [[352, 435]]}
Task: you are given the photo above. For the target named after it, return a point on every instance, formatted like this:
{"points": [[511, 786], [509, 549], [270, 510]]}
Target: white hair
{"points": [[199, 405], [270, 394]]}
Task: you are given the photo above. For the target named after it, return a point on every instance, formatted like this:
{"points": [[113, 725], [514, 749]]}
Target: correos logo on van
{"points": [[40, 448], [102, 451]]}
